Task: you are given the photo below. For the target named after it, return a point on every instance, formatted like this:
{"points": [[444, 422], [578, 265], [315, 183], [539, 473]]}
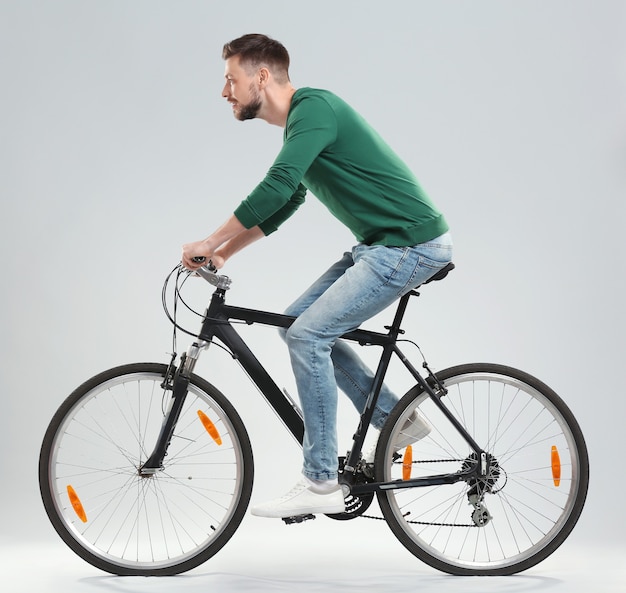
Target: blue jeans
{"points": [[360, 285]]}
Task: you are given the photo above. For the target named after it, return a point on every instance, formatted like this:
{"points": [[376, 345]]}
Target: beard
{"points": [[251, 109]]}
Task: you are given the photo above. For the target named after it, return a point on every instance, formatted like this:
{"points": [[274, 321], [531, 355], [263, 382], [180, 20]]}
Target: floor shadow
{"points": [[227, 582]]}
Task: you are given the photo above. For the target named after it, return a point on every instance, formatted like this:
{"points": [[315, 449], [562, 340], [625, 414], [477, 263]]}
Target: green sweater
{"points": [[331, 150]]}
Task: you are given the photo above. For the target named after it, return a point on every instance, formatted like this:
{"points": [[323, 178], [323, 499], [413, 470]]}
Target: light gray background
{"points": [[116, 148]]}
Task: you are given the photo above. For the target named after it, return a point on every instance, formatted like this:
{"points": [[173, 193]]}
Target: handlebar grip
{"points": [[200, 259]]}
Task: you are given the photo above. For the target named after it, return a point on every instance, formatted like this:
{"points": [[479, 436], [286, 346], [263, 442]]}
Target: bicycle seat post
{"points": [[394, 328]]}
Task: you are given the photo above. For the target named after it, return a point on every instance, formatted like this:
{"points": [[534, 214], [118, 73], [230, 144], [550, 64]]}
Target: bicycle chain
{"points": [[423, 522], [426, 522]]}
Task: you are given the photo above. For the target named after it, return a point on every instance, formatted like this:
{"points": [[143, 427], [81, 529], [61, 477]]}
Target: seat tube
{"points": [[377, 383], [370, 406]]}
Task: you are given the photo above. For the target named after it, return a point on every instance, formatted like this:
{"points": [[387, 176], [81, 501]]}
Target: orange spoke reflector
{"points": [[407, 463], [210, 427], [556, 466], [76, 504]]}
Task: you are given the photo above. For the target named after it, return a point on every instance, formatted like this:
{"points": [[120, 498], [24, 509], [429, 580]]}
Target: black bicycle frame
{"points": [[217, 324]]}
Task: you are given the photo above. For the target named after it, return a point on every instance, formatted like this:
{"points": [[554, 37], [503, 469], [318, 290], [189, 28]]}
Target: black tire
{"points": [[532, 495], [127, 524]]}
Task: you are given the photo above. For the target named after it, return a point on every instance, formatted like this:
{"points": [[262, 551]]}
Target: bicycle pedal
{"points": [[297, 519]]}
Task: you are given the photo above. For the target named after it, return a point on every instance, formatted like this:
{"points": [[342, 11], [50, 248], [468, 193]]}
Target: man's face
{"points": [[241, 91]]}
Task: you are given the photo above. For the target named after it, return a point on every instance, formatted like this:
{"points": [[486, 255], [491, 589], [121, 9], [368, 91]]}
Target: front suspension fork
{"points": [[177, 381]]}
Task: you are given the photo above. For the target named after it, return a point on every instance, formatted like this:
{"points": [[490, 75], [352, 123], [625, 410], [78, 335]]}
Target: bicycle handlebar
{"points": [[209, 273]]}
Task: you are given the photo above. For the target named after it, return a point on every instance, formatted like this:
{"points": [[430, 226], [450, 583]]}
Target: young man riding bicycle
{"points": [[402, 240]]}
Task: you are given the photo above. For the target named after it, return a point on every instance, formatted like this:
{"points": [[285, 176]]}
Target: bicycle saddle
{"points": [[441, 274]]}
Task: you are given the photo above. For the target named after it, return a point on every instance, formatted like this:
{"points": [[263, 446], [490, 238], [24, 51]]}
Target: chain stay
{"points": [[431, 523]]}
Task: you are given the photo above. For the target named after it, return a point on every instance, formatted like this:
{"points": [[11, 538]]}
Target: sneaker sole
{"points": [[327, 510]]}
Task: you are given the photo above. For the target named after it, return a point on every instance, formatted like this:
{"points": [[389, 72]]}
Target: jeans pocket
{"points": [[429, 258]]}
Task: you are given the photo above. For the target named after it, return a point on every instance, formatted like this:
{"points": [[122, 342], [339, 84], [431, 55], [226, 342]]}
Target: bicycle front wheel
{"points": [[527, 501], [131, 524]]}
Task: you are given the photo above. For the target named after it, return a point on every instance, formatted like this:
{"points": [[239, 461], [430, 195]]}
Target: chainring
{"points": [[355, 505]]}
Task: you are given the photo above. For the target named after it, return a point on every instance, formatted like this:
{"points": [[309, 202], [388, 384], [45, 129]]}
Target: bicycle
{"points": [[147, 469]]}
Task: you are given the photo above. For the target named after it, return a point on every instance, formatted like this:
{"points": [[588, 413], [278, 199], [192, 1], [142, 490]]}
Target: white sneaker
{"points": [[414, 429], [302, 500]]}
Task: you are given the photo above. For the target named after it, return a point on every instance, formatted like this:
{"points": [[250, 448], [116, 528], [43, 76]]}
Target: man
{"points": [[402, 241]]}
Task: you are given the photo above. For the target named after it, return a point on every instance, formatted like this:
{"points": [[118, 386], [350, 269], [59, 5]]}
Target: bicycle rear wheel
{"points": [[129, 524], [531, 496]]}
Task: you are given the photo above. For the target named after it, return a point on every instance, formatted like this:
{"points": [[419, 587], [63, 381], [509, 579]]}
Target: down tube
{"points": [[260, 377]]}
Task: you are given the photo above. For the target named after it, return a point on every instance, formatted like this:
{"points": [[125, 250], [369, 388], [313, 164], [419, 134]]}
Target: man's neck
{"points": [[277, 104]]}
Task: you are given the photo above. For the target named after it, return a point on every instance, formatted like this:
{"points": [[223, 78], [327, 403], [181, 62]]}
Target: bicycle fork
{"points": [[177, 380]]}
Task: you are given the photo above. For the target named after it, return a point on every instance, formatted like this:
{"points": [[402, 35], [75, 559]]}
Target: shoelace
{"points": [[299, 487]]}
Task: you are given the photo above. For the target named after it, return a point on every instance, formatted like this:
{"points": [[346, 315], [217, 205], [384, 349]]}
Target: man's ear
{"points": [[263, 76]]}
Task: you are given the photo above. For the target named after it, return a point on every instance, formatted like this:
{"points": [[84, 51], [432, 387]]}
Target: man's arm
{"points": [[227, 240], [236, 244]]}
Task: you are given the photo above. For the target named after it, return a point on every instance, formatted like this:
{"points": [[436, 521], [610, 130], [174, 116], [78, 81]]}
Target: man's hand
{"points": [[197, 249]]}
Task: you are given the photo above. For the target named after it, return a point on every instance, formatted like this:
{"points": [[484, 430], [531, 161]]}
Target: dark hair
{"points": [[255, 50]]}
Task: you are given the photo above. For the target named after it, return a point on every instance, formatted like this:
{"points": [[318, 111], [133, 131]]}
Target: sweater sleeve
{"points": [[311, 127], [271, 224]]}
